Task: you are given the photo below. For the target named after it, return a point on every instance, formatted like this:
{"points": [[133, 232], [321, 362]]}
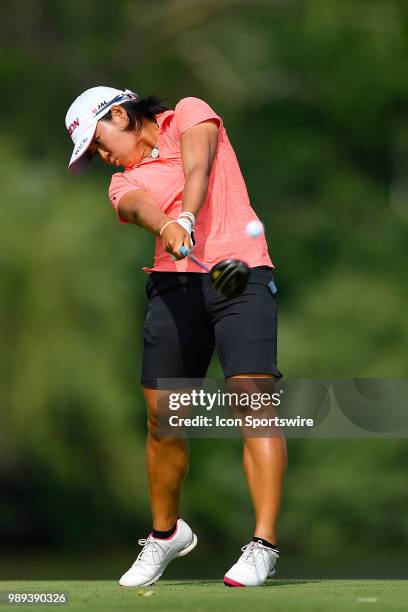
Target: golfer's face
{"points": [[115, 146]]}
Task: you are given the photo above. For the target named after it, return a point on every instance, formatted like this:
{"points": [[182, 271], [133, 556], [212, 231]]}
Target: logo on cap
{"points": [[81, 144], [73, 126], [100, 106]]}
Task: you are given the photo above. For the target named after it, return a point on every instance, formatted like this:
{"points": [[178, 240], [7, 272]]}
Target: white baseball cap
{"points": [[82, 118]]}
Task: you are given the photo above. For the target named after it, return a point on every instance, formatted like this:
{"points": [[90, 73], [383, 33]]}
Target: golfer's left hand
{"points": [[174, 236]]}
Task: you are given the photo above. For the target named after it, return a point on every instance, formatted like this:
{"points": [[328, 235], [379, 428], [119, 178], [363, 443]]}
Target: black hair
{"points": [[143, 108]]}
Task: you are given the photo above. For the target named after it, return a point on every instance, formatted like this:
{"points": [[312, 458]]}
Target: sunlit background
{"points": [[313, 95]]}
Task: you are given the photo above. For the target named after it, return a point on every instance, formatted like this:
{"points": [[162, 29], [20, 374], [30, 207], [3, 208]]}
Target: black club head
{"points": [[230, 277]]}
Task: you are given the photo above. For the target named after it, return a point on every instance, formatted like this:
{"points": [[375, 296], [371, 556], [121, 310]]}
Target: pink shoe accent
{"points": [[232, 583]]}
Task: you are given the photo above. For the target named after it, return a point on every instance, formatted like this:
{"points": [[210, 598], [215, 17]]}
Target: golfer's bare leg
{"points": [[167, 463], [265, 463]]}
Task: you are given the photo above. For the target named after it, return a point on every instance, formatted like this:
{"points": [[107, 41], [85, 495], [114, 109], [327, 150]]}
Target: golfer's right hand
{"points": [[174, 236]]}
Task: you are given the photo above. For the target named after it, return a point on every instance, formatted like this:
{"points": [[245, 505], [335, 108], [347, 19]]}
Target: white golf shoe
{"points": [[157, 554], [255, 565]]}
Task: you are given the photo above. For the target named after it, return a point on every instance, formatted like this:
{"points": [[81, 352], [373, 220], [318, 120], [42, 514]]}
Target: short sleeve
{"points": [[192, 111], [121, 184]]}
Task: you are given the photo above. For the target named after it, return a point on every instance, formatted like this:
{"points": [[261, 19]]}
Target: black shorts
{"points": [[187, 319]]}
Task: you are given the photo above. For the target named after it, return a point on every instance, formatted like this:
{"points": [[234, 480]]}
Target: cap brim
{"points": [[81, 158]]}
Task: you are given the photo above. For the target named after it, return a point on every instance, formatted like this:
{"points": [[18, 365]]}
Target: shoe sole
{"points": [[229, 582], [182, 553]]}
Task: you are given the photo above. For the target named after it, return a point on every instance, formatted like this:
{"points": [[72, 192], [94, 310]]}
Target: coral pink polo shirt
{"points": [[221, 222]]}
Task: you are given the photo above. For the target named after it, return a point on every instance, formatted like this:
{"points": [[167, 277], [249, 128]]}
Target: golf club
{"points": [[228, 276]]}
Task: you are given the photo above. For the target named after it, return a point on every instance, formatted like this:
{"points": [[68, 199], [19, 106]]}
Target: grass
{"points": [[207, 595]]}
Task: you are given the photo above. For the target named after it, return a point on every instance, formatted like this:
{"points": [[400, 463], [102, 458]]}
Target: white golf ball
{"points": [[254, 228]]}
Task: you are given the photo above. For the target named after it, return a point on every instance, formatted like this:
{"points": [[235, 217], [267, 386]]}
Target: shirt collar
{"points": [[161, 118]]}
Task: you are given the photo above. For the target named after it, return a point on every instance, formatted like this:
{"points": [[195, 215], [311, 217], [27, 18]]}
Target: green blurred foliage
{"points": [[313, 94]]}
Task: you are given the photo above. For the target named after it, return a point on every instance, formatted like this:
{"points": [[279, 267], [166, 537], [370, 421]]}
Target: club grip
{"points": [[183, 250]]}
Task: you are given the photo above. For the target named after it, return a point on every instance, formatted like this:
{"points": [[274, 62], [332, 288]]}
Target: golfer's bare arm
{"points": [[198, 149], [140, 208]]}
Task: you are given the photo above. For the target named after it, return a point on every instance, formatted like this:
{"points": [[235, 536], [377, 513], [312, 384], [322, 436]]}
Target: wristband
{"points": [[163, 227], [188, 215]]}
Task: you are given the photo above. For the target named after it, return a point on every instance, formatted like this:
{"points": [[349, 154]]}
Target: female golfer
{"points": [[181, 181]]}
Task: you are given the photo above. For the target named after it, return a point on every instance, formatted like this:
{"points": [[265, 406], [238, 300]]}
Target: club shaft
{"points": [[198, 262], [184, 251]]}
